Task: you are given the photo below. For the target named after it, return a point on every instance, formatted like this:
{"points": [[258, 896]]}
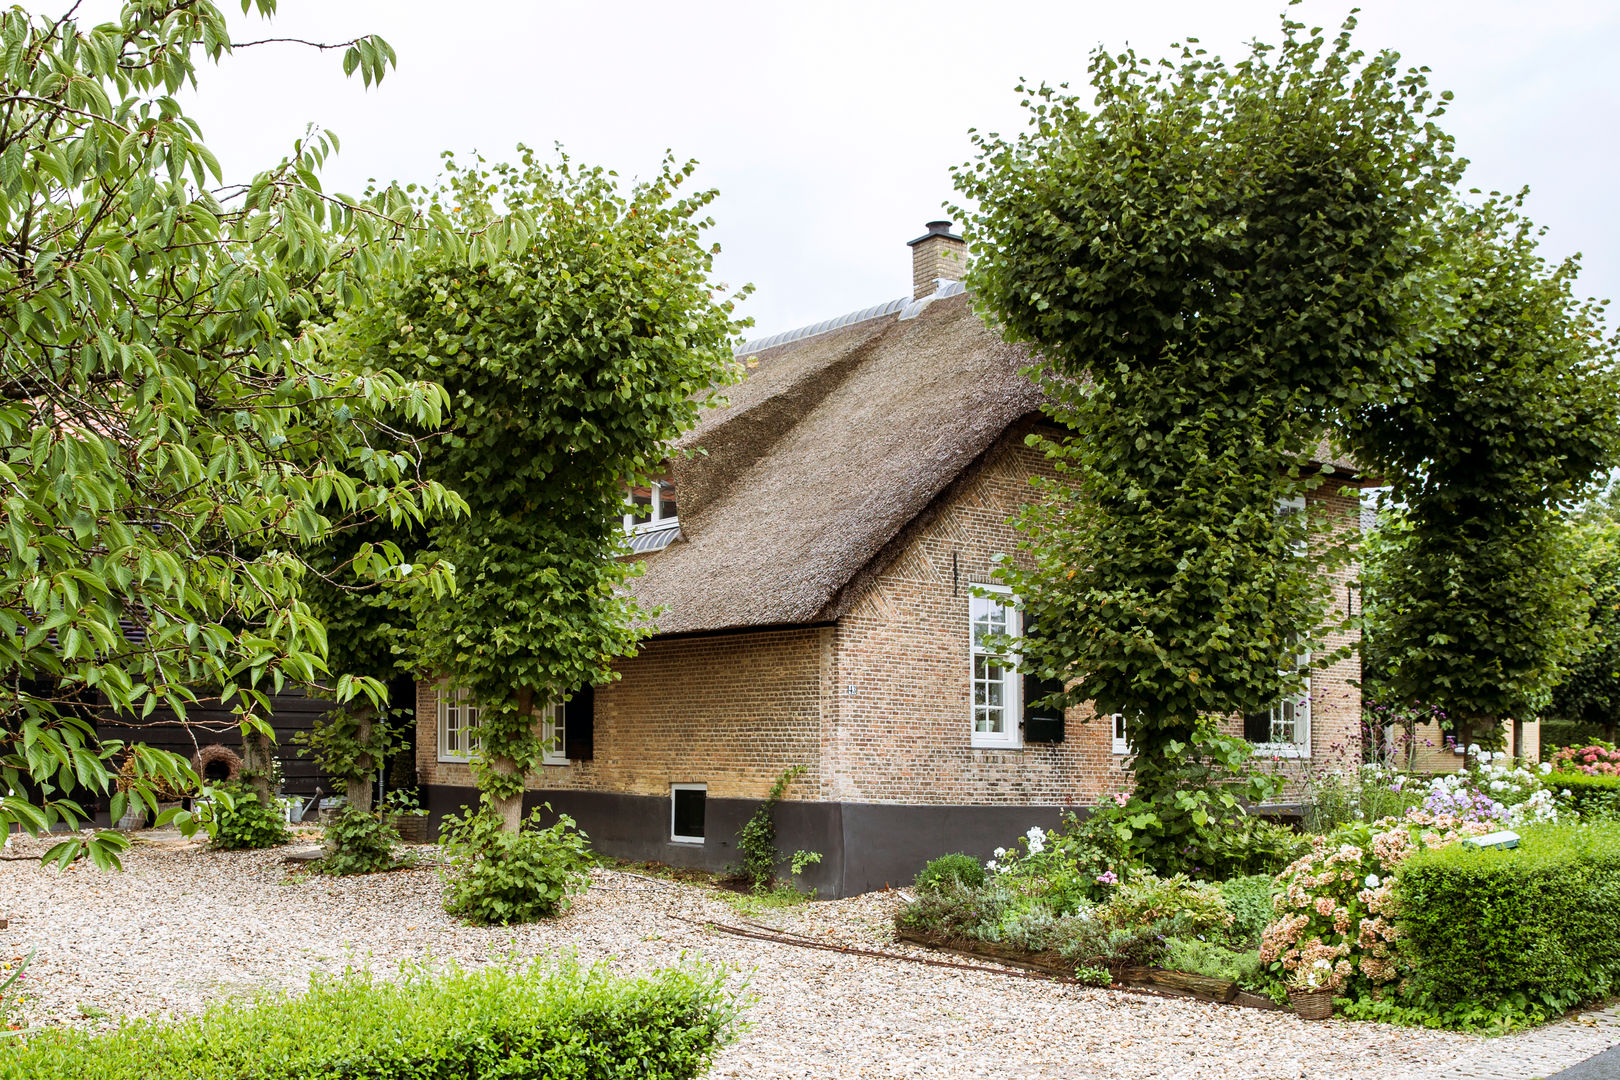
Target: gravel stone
{"points": [[184, 926]]}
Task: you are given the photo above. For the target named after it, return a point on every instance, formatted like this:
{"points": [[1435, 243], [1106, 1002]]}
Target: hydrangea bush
{"points": [[1599, 759], [1337, 906]]}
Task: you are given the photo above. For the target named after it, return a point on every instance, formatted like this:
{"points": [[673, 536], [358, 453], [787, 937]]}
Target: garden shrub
{"points": [[1076, 865], [1148, 899], [1198, 957], [358, 843], [1248, 845], [237, 820], [1536, 925], [539, 1021], [1249, 900], [1597, 759], [494, 877], [956, 868], [1335, 917], [1590, 796]]}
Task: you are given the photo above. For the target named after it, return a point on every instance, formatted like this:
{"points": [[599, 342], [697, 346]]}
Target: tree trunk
{"points": [[258, 761], [358, 786], [509, 808]]}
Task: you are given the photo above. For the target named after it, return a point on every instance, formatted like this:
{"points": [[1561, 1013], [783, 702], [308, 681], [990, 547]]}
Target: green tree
{"points": [[1211, 263], [1586, 704], [167, 446], [571, 362], [1480, 600]]}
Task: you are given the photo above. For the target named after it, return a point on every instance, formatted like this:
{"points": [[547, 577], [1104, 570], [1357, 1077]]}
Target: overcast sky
{"points": [[829, 127]]}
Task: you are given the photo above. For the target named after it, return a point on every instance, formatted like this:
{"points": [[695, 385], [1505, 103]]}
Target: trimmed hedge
{"points": [[1536, 924], [541, 1021], [1591, 796]]}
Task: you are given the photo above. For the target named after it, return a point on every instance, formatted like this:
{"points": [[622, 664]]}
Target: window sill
{"points": [[695, 841], [1280, 750], [454, 760]]}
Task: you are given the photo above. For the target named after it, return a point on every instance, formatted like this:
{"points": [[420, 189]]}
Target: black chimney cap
{"points": [[935, 228]]}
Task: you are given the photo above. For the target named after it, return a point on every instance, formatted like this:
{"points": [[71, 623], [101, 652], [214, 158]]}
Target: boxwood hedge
{"points": [[1593, 796], [1538, 924], [515, 1023]]}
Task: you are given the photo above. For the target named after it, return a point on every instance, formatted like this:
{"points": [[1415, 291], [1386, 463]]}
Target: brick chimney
{"points": [[938, 253]]}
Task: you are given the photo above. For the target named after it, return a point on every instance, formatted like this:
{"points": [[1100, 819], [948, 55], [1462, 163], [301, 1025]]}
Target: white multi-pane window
{"points": [[458, 715], [651, 506], [1121, 744], [551, 736], [1285, 728], [995, 679]]}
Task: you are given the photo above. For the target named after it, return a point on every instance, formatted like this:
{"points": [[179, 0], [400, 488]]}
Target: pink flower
{"points": [[1108, 877]]}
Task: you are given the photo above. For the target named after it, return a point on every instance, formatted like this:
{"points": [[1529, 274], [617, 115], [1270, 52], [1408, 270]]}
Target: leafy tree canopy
{"points": [[570, 362], [1477, 595], [1211, 262], [167, 446]]}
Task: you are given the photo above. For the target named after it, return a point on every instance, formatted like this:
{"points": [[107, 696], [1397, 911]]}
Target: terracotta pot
{"points": [[1312, 1004]]}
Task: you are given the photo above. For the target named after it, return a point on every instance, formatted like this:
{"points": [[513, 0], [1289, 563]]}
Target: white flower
{"points": [[1000, 851], [1546, 767], [1372, 881], [990, 864], [1036, 834], [1036, 847]]}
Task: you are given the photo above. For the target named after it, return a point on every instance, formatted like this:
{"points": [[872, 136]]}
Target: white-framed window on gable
{"points": [[996, 705], [651, 505], [458, 715]]}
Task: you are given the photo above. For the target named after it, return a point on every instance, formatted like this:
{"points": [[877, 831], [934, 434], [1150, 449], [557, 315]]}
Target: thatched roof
{"points": [[833, 443]]}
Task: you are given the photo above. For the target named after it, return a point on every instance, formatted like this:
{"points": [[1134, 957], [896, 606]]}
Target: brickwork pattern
{"points": [[902, 733], [730, 710], [936, 257]]}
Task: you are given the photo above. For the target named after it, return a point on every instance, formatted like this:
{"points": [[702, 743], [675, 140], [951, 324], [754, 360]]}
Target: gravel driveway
{"points": [[183, 926]]}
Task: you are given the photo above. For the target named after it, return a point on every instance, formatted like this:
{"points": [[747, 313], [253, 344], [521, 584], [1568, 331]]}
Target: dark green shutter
{"points": [[1042, 724], [579, 725]]}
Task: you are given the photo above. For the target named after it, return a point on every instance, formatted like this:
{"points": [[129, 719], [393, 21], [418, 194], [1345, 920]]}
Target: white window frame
{"points": [[460, 700], [656, 520], [1012, 705], [676, 837], [1300, 747], [1120, 745], [553, 736]]}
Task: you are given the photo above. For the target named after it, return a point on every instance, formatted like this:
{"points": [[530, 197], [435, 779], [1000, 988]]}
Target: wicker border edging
{"points": [[1177, 983]]}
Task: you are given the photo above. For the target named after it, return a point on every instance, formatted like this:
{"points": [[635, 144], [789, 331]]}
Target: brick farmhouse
{"points": [[820, 569]]}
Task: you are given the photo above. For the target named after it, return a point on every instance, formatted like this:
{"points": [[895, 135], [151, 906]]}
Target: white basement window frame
{"points": [[458, 715], [994, 688], [1289, 720], [657, 499], [687, 838]]}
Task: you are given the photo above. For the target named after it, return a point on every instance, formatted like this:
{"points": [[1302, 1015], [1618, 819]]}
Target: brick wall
{"points": [[728, 710], [901, 679]]}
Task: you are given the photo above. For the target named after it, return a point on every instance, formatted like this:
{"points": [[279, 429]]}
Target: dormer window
{"points": [[651, 506]]}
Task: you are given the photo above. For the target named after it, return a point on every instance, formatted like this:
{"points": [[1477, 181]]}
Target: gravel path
{"points": [[183, 926]]}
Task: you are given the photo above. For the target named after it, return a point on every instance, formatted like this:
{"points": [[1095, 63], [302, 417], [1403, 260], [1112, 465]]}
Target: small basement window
{"points": [[688, 805]]}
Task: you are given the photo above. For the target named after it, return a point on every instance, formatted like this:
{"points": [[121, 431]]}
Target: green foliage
{"points": [[1500, 1019], [1586, 704], [1537, 926], [1148, 899], [540, 1019], [757, 838], [346, 743], [169, 442], [1248, 901], [571, 362], [1185, 257], [1593, 797], [1477, 595], [1194, 819], [1341, 795], [495, 877], [12, 974], [1198, 957], [237, 820], [358, 843], [953, 869]]}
